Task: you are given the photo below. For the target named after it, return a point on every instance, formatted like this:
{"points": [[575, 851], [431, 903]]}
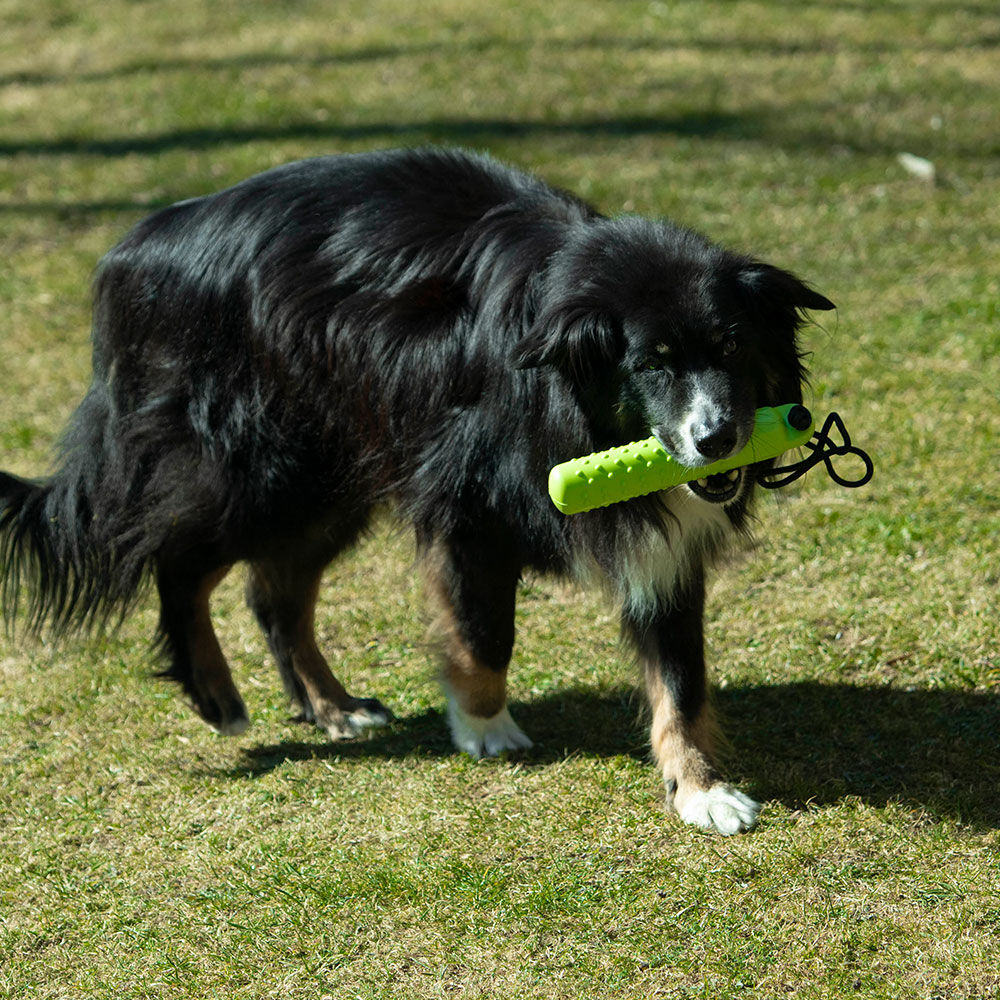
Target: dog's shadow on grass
{"points": [[795, 743], [823, 743]]}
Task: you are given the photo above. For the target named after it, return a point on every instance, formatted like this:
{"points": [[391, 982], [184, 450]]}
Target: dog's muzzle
{"points": [[721, 488]]}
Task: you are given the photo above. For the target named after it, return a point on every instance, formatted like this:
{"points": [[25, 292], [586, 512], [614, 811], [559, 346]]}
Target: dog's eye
{"points": [[731, 346], [658, 360]]}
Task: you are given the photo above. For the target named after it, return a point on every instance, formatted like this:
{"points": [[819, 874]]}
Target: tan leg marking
{"points": [[478, 690], [338, 712], [480, 722], [684, 751]]}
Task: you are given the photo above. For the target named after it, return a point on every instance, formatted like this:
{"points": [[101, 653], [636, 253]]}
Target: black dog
{"points": [[428, 328]]}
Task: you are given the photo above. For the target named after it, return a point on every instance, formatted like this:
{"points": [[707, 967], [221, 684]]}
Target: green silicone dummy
{"points": [[633, 470]]}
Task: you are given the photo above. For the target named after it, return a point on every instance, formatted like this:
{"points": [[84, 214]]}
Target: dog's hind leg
{"points": [[282, 593], [190, 643], [670, 644], [474, 592]]}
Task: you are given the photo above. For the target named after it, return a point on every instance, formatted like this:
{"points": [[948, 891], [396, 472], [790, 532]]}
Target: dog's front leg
{"points": [[669, 640], [472, 582]]}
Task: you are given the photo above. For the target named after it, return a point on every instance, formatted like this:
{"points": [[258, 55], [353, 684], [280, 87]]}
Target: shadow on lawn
{"points": [[794, 743], [774, 125], [441, 130], [936, 749], [512, 49]]}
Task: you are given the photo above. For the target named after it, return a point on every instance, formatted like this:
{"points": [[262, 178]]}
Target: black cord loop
{"points": [[823, 449]]}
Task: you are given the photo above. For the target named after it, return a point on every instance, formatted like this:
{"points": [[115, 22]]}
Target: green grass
{"points": [[855, 647]]}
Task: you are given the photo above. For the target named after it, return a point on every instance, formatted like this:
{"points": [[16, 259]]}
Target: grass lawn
{"points": [[856, 647]]}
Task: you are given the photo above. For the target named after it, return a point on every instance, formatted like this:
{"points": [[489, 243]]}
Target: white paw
{"points": [[481, 737], [722, 808], [368, 713], [370, 716], [233, 727]]}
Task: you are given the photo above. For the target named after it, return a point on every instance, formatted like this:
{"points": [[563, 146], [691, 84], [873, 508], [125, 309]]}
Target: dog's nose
{"points": [[715, 442]]}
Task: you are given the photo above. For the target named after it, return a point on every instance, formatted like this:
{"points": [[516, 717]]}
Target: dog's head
{"points": [[661, 333]]}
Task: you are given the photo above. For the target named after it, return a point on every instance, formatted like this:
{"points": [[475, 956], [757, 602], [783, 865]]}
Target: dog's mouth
{"points": [[719, 488], [722, 487]]}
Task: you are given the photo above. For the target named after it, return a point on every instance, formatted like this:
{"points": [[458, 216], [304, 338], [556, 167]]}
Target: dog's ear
{"points": [[575, 340], [776, 299], [778, 289]]}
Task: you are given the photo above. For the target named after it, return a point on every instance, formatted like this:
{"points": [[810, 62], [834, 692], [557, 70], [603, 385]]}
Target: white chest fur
{"points": [[651, 565]]}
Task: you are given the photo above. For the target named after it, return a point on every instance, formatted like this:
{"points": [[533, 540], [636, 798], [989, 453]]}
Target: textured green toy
{"points": [[633, 470]]}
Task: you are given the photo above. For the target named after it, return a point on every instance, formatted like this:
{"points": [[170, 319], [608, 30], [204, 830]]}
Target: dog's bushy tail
{"points": [[62, 565]]}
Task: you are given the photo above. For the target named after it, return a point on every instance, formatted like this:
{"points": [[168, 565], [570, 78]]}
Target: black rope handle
{"points": [[822, 449]]}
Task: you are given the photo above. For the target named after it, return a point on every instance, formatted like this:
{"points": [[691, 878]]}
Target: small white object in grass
{"points": [[917, 166]]}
